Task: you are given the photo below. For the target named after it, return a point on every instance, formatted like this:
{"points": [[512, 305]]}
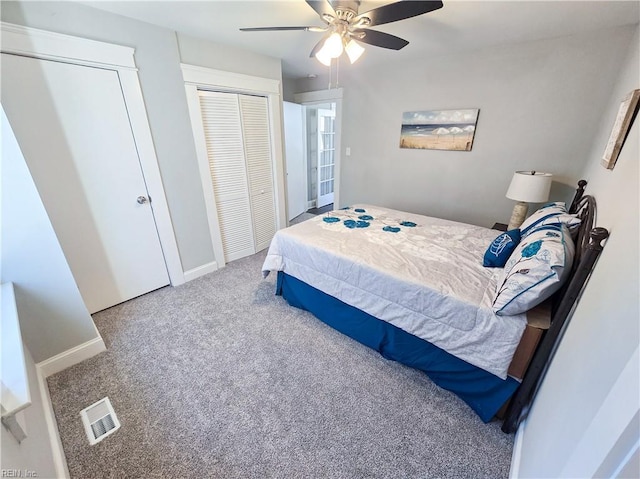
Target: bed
{"points": [[414, 288]]}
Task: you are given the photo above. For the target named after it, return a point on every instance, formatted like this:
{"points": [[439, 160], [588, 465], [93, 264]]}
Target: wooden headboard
{"points": [[588, 248]]}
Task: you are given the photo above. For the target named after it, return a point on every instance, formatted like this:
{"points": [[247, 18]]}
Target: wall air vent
{"points": [[99, 420]]}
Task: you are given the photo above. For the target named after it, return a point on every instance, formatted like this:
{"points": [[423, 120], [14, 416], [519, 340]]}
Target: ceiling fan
{"points": [[345, 27]]}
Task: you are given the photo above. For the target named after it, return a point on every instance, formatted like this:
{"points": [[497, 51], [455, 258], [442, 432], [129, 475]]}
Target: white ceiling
{"points": [[459, 25]]}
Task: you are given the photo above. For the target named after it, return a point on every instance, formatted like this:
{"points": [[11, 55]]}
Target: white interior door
{"points": [[295, 159], [72, 125], [326, 156]]}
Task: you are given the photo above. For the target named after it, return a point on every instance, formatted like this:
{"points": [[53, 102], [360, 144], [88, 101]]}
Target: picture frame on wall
{"points": [[624, 119], [439, 129]]}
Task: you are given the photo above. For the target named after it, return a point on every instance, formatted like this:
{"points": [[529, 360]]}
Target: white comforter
{"points": [[427, 280]]}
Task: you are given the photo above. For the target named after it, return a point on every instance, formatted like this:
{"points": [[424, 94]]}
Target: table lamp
{"points": [[527, 187]]}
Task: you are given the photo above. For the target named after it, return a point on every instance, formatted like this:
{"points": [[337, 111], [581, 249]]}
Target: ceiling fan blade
{"points": [[380, 39], [274, 29], [322, 7], [318, 46], [398, 11]]}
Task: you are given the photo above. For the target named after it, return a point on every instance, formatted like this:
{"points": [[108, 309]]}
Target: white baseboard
{"points": [[59, 459], [53, 365], [311, 204], [514, 470], [72, 356], [200, 271]]}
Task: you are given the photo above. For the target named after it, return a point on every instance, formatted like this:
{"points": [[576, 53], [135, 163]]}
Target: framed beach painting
{"points": [[439, 129]]}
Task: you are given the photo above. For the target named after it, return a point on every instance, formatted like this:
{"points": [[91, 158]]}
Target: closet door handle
{"points": [[142, 200]]}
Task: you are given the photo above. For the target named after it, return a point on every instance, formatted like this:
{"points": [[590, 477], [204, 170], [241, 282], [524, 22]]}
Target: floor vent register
{"points": [[99, 420]]}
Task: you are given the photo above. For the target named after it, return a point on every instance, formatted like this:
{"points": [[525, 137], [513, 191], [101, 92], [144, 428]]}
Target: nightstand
{"points": [[500, 226]]}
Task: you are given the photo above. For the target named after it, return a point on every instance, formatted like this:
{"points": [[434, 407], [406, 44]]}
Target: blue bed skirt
{"points": [[481, 390]]}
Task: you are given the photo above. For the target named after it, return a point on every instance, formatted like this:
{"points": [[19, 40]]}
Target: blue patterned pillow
{"points": [[550, 214], [536, 269], [501, 248]]}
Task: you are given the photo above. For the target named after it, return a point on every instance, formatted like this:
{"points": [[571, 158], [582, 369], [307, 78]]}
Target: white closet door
{"points": [[257, 147], [225, 150], [72, 125]]}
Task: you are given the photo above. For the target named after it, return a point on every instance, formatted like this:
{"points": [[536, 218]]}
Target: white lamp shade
{"points": [[333, 45], [323, 57], [353, 51], [530, 186]]}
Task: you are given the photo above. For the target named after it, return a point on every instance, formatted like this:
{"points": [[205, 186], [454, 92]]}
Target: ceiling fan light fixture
{"points": [[323, 57], [354, 51], [333, 45]]}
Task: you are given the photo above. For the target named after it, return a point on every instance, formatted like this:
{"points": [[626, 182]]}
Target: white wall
{"points": [[195, 51], [34, 453], [158, 60], [539, 102], [584, 403], [158, 56], [53, 316]]}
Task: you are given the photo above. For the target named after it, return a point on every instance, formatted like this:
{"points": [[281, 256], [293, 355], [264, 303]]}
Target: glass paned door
{"points": [[326, 156]]}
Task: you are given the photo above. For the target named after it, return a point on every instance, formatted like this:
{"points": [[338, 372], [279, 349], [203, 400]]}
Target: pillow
{"points": [[536, 269], [500, 249], [549, 214]]}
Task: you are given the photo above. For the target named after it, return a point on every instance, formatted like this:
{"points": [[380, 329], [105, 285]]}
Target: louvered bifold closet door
{"points": [[257, 148], [225, 150]]}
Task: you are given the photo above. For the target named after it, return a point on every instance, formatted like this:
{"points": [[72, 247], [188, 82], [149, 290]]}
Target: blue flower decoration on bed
{"points": [[532, 249], [391, 229], [365, 217], [330, 219], [408, 224], [360, 210], [346, 208], [356, 224]]}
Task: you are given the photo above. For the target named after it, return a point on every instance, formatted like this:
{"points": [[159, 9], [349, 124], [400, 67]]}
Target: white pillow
{"points": [[550, 214], [536, 269]]}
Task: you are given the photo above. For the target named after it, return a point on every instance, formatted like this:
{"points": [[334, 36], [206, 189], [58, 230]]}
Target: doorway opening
{"points": [[312, 138]]}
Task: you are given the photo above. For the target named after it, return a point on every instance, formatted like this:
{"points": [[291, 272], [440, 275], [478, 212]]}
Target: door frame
{"points": [[329, 96], [196, 77], [320, 152], [46, 45]]}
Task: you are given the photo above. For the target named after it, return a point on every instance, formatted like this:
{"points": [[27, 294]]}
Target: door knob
{"points": [[142, 200]]}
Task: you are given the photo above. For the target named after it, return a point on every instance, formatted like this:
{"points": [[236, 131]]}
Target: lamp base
{"points": [[518, 215]]}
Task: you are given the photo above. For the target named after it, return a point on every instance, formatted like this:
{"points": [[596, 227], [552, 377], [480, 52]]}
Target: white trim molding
{"points": [[197, 126], [20, 40], [25, 41], [72, 356], [59, 459], [200, 78], [228, 81], [200, 271], [320, 96]]}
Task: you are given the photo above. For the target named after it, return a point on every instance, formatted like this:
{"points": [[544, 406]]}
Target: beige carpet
{"points": [[219, 378]]}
